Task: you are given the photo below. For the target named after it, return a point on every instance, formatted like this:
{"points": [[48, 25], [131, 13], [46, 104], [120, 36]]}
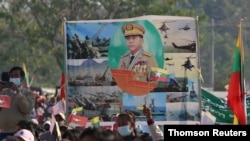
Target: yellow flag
{"points": [[236, 122], [95, 121], [77, 109]]}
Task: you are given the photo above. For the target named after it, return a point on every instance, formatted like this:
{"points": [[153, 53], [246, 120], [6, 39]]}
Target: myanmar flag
{"points": [[236, 92], [95, 122], [158, 74], [77, 110]]}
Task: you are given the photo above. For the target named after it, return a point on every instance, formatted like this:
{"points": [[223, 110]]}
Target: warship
{"points": [[192, 92], [184, 114], [138, 112]]}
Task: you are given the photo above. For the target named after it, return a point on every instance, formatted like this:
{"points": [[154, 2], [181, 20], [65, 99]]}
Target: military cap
{"points": [[133, 29]]}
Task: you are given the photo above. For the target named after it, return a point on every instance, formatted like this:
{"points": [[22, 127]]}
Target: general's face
{"points": [[134, 43]]}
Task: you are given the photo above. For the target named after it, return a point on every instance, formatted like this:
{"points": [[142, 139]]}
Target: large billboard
{"points": [[122, 64]]}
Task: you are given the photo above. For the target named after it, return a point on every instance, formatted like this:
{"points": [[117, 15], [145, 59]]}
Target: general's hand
{"points": [[147, 112]]}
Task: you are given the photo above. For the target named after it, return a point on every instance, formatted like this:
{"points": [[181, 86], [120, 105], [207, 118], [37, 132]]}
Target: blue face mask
{"points": [[124, 130], [16, 81]]}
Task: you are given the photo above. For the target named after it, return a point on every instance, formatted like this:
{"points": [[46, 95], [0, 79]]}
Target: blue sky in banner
{"points": [[91, 29]]}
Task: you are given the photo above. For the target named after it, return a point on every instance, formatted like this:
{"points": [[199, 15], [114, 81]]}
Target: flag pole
{"points": [[243, 88]]}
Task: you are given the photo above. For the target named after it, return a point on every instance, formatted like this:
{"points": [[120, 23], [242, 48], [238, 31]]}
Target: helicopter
{"points": [[168, 58], [186, 27], [191, 46], [164, 27], [188, 64], [170, 64]]}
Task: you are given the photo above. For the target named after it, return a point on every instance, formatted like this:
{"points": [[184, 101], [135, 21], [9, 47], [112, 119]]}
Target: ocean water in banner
{"points": [[122, 64]]}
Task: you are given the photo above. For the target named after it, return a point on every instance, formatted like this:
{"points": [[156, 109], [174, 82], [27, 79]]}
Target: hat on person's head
{"points": [[132, 29], [34, 121], [47, 123], [25, 134], [61, 115]]}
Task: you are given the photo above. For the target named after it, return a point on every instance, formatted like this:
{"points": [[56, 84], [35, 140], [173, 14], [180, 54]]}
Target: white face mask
{"points": [[124, 130], [16, 81]]}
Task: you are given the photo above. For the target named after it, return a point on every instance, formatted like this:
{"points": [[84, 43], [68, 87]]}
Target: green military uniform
{"points": [[141, 65]]}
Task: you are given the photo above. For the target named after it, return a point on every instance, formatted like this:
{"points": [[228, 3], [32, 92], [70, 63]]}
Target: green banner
{"points": [[218, 107]]}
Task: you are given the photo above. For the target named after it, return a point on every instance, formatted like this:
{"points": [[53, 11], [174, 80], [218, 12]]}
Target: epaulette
{"points": [[147, 53], [125, 55]]}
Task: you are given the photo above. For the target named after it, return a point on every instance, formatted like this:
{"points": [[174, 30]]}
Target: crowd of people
{"points": [[30, 118]]}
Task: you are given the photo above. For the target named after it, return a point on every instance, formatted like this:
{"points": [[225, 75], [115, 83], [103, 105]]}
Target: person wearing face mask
{"points": [[127, 126], [22, 101]]}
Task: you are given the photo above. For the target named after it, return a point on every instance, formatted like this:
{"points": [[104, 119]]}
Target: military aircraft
{"points": [[170, 64], [164, 27], [188, 64], [171, 98], [191, 46], [186, 27], [168, 58]]}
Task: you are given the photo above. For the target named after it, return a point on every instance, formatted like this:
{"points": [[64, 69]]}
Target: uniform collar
{"points": [[136, 53]]}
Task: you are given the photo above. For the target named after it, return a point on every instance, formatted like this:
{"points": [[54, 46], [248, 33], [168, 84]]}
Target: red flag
{"points": [[77, 120], [62, 89], [236, 92], [5, 101]]}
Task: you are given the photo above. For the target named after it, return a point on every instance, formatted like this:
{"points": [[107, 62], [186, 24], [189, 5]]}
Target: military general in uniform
{"points": [[137, 59]]}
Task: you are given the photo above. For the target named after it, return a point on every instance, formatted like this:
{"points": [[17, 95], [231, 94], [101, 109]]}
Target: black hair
{"points": [[23, 124], [130, 117], [26, 124], [20, 69], [144, 137], [71, 134], [99, 134]]}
